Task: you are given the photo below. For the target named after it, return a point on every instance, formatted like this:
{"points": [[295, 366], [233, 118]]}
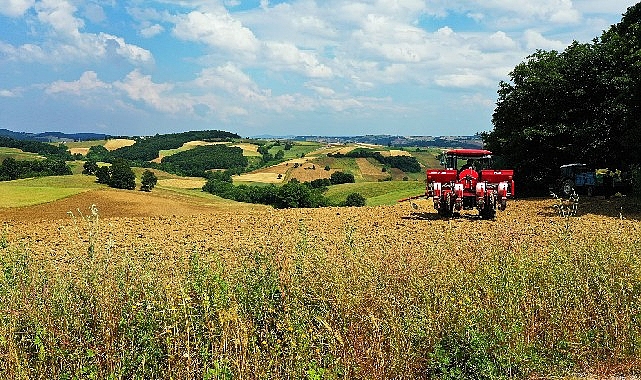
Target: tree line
{"points": [[12, 169], [119, 175], [408, 164], [148, 148], [577, 105], [48, 150], [293, 194], [197, 161]]}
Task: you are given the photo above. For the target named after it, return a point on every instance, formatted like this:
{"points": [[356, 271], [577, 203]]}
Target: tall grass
{"points": [[359, 310]]}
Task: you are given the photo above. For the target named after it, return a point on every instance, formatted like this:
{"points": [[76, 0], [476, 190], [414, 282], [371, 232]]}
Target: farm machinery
{"points": [[473, 184], [589, 181]]}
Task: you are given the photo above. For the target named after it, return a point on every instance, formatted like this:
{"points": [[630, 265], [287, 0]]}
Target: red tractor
{"points": [[470, 185]]}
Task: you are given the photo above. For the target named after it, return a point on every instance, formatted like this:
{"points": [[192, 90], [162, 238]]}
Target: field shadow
{"points": [[423, 216], [613, 207], [436, 216]]}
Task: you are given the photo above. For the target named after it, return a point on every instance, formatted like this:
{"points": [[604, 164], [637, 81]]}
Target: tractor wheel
{"points": [[446, 210], [446, 207], [568, 187], [488, 212]]}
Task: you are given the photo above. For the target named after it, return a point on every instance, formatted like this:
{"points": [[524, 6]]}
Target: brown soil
{"points": [[119, 203]]}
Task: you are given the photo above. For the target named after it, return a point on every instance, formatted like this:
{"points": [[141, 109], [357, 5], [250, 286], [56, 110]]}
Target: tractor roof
{"points": [[468, 152]]}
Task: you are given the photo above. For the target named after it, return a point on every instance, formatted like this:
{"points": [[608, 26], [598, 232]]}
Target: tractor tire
{"points": [[567, 188], [446, 208], [446, 212], [488, 212]]}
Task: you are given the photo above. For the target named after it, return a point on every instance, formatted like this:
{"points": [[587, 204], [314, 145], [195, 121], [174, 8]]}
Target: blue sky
{"points": [[301, 67]]}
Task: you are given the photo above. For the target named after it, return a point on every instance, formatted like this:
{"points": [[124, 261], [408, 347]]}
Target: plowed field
{"points": [[211, 222], [369, 292]]}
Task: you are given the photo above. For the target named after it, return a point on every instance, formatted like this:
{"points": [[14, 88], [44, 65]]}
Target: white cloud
{"points": [[554, 11], [498, 41], [94, 12], [26, 52], [7, 94], [140, 87], [322, 90], [67, 43], [132, 53], [218, 30], [152, 30], [466, 80], [15, 8], [616, 7], [290, 57], [393, 40], [479, 99], [88, 82], [535, 40], [228, 77], [59, 14]]}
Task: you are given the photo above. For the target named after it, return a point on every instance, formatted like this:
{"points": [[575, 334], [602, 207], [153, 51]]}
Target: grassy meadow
{"points": [[376, 193], [17, 154], [34, 191], [320, 294]]}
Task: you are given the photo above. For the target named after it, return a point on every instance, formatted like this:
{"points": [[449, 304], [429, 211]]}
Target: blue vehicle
{"points": [[579, 178]]}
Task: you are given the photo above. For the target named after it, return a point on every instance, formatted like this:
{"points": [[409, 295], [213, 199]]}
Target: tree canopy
{"points": [[578, 105], [195, 162]]}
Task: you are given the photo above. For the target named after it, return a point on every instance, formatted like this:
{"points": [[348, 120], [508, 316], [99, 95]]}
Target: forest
{"points": [[577, 105]]}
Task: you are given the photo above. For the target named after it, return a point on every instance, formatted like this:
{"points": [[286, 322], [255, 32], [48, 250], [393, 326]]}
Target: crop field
{"points": [[113, 144], [171, 285], [17, 154]]}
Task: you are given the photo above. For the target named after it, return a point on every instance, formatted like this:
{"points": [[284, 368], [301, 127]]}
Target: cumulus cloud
{"points": [[25, 52], [535, 40], [15, 8], [59, 14], [393, 40], [498, 41], [67, 42], [464, 80], [291, 57], [321, 90], [152, 30], [519, 12], [218, 30], [88, 82], [140, 87]]}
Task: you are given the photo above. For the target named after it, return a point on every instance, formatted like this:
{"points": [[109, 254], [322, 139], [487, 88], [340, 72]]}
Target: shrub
{"points": [[355, 200], [122, 177], [103, 175], [89, 168], [320, 183], [338, 178], [148, 181]]}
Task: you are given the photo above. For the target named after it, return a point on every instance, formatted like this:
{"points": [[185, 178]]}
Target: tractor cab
{"points": [[468, 163], [462, 159]]}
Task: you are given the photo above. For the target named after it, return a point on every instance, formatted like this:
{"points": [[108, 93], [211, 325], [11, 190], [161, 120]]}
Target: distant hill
{"points": [[52, 136], [401, 141]]}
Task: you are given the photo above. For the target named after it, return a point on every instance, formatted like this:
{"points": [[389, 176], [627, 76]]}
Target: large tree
{"points": [[122, 177], [576, 105]]}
